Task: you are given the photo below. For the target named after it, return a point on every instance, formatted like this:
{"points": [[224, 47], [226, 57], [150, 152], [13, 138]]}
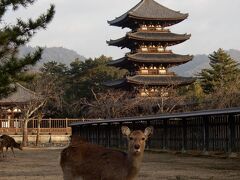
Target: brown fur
{"points": [[8, 141], [1, 147], [83, 160]]}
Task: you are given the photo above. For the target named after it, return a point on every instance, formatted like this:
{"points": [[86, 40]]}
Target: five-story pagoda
{"points": [[149, 60]]}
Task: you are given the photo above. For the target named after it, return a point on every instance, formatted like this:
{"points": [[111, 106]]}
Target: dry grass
{"points": [[43, 164]]}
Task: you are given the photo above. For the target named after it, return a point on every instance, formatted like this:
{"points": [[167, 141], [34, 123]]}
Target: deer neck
{"points": [[134, 162], [16, 145]]}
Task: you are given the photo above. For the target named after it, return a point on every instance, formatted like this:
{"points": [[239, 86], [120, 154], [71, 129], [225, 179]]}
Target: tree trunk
{"points": [[25, 133], [38, 127]]}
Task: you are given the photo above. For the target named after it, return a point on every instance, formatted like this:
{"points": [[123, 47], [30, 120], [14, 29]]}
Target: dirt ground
{"points": [[43, 164]]}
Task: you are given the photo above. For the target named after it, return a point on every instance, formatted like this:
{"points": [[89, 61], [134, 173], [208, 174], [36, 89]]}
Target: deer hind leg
{"points": [[67, 174], [6, 151], [13, 151], [78, 178], [2, 153]]}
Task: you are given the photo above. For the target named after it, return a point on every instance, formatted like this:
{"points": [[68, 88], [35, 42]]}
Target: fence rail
{"points": [[217, 130], [47, 126]]}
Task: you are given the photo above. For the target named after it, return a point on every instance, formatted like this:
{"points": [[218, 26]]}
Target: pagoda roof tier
{"points": [[150, 58], [151, 80], [148, 10], [116, 83], [159, 80], [134, 39]]}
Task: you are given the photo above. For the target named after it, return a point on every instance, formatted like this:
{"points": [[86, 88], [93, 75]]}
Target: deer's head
{"points": [[136, 139], [19, 146]]}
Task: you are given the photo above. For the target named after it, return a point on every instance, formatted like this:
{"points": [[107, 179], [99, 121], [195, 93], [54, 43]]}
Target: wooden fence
{"points": [[47, 126], [217, 130]]}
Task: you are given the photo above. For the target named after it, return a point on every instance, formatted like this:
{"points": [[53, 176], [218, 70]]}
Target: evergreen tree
{"points": [[86, 77], [223, 71], [14, 36], [90, 75]]}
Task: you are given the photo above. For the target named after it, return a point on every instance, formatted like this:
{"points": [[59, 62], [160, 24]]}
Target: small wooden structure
{"points": [[214, 130], [12, 106], [11, 116]]}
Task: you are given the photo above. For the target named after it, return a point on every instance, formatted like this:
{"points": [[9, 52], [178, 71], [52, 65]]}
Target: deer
{"points": [[1, 147], [8, 141], [82, 160]]}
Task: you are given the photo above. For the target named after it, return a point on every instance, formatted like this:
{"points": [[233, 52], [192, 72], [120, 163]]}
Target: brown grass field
{"points": [[43, 164]]}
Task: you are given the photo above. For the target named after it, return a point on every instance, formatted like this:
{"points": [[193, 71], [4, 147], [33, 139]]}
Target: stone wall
{"points": [[44, 138]]}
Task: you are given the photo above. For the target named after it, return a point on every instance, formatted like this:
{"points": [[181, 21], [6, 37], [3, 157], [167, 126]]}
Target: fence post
{"points": [[205, 135], [66, 122], [165, 127], [184, 135], [16, 125], [108, 135], [66, 126], [98, 133], [231, 136], [50, 124], [149, 142], [120, 135]]}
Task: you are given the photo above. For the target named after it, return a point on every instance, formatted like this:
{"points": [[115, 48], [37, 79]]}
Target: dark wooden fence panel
{"points": [[195, 133], [237, 133], [201, 131], [157, 141]]}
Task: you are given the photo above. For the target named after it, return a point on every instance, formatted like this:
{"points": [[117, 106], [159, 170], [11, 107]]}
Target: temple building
{"points": [[12, 106], [150, 56]]}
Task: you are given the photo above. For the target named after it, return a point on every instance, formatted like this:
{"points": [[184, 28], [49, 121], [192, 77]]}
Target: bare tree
{"points": [[45, 91], [29, 110], [111, 104], [115, 104], [39, 120]]}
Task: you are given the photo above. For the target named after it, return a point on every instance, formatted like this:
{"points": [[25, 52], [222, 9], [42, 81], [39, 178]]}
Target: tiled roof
{"points": [[159, 58], [159, 80], [151, 80], [116, 83], [21, 95], [150, 10], [153, 58], [158, 37]]}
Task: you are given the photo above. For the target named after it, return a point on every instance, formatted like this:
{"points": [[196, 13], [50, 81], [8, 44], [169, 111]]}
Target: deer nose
{"points": [[137, 146]]}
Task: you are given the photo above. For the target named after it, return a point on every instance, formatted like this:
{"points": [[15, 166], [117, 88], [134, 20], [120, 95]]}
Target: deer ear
{"points": [[148, 131], [125, 130]]}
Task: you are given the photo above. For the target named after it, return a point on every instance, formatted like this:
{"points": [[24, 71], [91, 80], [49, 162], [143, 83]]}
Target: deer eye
{"points": [[131, 138], [143, 139]]}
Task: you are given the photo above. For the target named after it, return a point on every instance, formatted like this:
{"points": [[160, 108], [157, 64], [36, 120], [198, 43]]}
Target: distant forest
{"points": [[77, 90]]}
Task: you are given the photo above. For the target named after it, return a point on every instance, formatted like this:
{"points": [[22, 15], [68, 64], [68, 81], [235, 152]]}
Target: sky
{"points": [[81, 25]]}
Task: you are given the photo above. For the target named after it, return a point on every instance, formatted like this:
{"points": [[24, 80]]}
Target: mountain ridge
{"points": [[66, 56], [58, 54], [200, 62]]}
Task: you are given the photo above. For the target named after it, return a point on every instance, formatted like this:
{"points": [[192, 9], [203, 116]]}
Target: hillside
{"points": [[58, 54], [66, 56], [199, 62]]}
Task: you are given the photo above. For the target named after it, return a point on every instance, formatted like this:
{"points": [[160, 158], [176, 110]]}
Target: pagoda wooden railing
{"points": [[153, 29], [154, 50], [154, 72], [47, 126]]}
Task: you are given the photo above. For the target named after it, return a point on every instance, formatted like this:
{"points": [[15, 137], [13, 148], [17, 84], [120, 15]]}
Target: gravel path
{"points": [[43, 164]]}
